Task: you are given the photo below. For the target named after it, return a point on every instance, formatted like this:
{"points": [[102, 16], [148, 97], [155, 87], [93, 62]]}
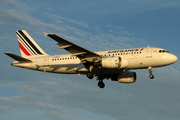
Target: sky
{"points": [[94, 25]]}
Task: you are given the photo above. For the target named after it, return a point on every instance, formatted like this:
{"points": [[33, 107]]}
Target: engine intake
{"points": [[114, 62], [125, 77]]}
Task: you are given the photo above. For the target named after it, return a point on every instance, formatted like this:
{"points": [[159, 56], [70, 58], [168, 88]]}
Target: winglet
{"points": [[45, 34]]}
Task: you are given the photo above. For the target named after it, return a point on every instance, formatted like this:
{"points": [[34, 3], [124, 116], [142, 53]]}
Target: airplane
{"points": [[111, 64]]}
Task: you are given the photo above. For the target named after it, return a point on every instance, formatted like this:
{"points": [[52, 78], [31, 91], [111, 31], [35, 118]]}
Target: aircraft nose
{"points": [[173, 58]]}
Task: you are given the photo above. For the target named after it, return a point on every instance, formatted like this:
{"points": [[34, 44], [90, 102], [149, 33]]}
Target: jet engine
{"points": [[125, 77], [114, 62]]}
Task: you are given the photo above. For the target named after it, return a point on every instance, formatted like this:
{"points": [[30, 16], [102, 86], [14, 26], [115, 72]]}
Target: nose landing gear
{"points": [[150, 71], [151, 76]]}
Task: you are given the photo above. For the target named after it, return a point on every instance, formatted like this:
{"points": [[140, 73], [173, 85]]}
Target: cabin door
{"points": [[149, 52]]}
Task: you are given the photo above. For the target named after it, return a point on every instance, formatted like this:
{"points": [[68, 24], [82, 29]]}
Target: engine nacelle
{"points": [[125, 77], [114, 62]]}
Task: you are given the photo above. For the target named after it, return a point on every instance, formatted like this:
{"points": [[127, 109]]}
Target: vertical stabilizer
{"points": [[28, 47]]}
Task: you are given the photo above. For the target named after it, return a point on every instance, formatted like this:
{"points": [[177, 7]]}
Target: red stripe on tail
{"points": [[23, 49]]}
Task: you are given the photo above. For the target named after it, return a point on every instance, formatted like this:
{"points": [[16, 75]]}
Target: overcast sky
{"points": [[94, 25]]}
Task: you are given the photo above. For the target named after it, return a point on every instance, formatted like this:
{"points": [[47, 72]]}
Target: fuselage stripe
{"points": [[26, 43], [23, 44], [30, 43], [23, 49]]}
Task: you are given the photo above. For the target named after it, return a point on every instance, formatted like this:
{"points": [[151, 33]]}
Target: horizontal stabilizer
{"points": [[18, 58]]}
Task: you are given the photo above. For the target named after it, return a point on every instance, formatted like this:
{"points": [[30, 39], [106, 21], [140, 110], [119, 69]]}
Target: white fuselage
{"points": [[137, 58]]}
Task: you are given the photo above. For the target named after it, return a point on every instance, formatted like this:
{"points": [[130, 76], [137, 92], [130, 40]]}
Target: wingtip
{"points": [[45, 34], [7, 53]]}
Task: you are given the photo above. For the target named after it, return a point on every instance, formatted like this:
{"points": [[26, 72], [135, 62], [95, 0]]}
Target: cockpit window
{"points": [[163, 51]]}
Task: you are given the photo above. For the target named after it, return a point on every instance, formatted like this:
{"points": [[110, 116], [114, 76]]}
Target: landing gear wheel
{"points": [[101, 84], [151, 76], [150, 71], [90, 75]]}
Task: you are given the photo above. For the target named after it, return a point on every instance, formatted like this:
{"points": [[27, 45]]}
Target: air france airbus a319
{"points": [[111, 64]]}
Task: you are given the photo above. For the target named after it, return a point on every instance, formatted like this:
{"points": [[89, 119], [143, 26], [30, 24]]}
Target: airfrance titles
{"points": [[127, 50]]}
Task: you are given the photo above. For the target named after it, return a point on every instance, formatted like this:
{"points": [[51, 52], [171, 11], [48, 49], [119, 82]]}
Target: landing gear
{"points": [[100, 78], [150, 71], [90, 75], [151, 76], [101, 84]]}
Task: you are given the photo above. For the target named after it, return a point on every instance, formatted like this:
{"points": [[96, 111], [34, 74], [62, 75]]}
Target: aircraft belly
{"points": [[67, 69], [44, 68], [97, 70]]}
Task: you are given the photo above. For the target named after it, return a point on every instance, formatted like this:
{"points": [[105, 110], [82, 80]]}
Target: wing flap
{"points": [[63, 46], [80, 53]]}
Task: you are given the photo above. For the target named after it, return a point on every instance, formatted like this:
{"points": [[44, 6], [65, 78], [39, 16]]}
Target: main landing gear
{"points": [[101, 84], [90, 75], [150, 71], [101, 78]]}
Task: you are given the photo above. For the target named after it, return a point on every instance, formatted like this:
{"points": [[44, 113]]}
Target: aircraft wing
{"points": [[82, 53]]}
